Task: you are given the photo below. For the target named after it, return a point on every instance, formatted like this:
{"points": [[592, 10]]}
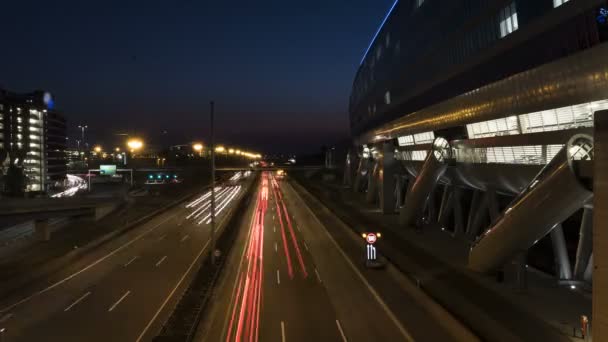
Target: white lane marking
{"points": [[278, 278], [185, 238], [141, 335], [77, 301], [318, 276], [6, 317], [275, 248], [161, 261], [305, 245], [381, 302], [162, 237], [102, 259], [274, 229], [130, 261], [120, 300], [283, 331], [341, 331]]}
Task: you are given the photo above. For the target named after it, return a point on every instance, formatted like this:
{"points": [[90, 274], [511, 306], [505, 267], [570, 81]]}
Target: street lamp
{"points": [[220, 149], [133, 145], [97, 149], [198, 147]]}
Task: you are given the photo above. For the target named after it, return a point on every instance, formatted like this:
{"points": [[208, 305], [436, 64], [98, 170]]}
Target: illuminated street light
{"points": [[117, 149], [135, 144], [238, 152], [97, 149], [220, 149], [197, 147], [231, 151]]}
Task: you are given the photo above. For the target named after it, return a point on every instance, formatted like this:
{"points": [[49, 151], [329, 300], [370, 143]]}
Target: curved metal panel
{"points": [[580, 78], [554, 195]]}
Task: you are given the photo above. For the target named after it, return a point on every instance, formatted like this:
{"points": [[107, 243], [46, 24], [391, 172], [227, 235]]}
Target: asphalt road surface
{"points": [[124, 290], [286, 280]]}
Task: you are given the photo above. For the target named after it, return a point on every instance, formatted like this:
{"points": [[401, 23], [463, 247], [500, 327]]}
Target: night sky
{"points": [[280, 72]]}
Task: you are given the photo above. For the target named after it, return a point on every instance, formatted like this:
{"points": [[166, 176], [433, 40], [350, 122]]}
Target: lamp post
{"points": [[211, 114], [82, 129]]}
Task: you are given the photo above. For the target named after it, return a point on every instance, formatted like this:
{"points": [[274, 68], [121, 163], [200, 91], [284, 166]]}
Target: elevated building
{"points": [[477, 116]]}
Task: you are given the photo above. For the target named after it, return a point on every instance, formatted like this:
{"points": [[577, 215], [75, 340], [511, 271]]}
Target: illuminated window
{"points": [[507, 18], [416, 139], [557, 3], [424, 138], [406, 140]]}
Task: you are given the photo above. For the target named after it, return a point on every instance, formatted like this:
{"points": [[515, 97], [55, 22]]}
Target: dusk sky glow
{"points": [[279, 72]]}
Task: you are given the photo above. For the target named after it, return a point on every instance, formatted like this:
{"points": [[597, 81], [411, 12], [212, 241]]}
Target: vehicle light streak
{"points": [[284, 238], [199, 211], [202, 198], [245, 313], [226, 201], [279, 198]]}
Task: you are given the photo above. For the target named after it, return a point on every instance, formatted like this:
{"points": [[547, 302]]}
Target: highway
{"points": [[124, 290], [286, 280]]}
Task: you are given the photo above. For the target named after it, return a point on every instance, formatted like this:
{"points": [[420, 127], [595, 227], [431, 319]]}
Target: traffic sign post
{"points": [[371, 239]]}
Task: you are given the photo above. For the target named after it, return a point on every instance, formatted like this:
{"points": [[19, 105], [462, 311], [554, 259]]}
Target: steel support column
{"points": [[447, 204], [386, 175], [359, 174], [373, 179], [458, 213], [564, 271], [433, 168], [600, 228], [553, 196], [585, 243]]}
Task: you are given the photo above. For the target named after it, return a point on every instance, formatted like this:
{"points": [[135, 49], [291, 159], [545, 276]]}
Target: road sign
{"points": [[371, 252], [371, 238]]}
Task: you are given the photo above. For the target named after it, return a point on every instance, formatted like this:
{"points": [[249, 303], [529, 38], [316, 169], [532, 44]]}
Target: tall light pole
{"points": [[212, 105], [82, 129]]}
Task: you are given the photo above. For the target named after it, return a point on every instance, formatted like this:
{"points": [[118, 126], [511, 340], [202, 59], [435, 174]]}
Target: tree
{"points": [[14, 181]]}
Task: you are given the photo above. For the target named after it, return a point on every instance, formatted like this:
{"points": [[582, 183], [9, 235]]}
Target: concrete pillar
{"points": [[458, 212], [447, 204], [588, 275], [521, 272], [600, 228], [386, 177], [358, 175], [585, 243], [478, 214], [562, 262], [42, 230], [398, 191], [473, 209], [372, 183], [347, 181]]}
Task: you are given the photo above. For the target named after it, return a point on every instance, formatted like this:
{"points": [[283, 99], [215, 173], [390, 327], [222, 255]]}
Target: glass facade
{"points": [[431, 53]]}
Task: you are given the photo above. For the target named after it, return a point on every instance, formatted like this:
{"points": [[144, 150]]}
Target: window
{"points": [[557, 3], [508, 20], [387, 98]]}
